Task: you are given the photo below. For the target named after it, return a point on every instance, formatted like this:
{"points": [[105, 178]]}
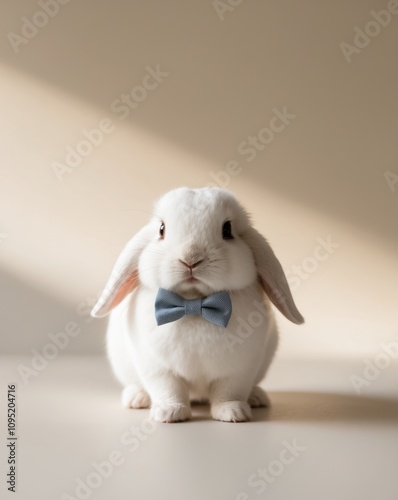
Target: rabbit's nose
{"points": [[191, 266]]}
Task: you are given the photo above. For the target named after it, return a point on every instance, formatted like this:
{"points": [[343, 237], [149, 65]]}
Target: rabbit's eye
{"points": [[162, 230], [227, 231]]}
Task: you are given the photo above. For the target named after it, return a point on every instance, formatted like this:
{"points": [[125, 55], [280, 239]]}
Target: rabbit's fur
{"points": [[164, 367]]}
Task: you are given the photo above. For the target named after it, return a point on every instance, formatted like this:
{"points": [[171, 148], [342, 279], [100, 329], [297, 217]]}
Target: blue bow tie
{"points": [[216, 308]]}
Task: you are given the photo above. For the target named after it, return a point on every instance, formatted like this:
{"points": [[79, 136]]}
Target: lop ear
{"points": [[124, 277], [271, 275]]}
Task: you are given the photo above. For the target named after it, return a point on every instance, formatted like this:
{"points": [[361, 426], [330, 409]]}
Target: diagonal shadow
{"points": [[29, 314], [229, 81]]}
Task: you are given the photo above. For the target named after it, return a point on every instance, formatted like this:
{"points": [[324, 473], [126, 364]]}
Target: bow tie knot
{"points": [[216, 308]]}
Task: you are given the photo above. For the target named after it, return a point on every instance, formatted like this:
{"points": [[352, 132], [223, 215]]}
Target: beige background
{"points": [[322, 175]]}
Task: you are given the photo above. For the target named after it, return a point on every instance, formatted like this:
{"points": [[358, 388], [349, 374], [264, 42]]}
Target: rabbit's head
{"points": [[196, 245], [199, 241]]}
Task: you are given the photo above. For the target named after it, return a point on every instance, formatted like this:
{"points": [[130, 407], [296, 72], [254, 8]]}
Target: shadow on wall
{"points": [[222, 81], [67, 328]]}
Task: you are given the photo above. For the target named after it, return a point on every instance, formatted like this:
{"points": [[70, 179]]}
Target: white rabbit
{"points": [[199, 242]]}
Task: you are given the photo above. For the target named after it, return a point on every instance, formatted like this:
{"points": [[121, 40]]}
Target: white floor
{"points": [[319, 440]]}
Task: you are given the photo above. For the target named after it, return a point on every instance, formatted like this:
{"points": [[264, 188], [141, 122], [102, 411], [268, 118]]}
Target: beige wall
{"points": [[322, 175]]}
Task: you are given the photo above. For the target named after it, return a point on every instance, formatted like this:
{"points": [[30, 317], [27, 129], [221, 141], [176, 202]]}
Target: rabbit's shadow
{"points": [[319, 407], [327, 407]]}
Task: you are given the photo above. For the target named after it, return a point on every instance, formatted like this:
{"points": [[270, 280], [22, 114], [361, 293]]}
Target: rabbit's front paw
{"points": [[176, 412], [135, 397], [258, 398], [231, 411]]}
